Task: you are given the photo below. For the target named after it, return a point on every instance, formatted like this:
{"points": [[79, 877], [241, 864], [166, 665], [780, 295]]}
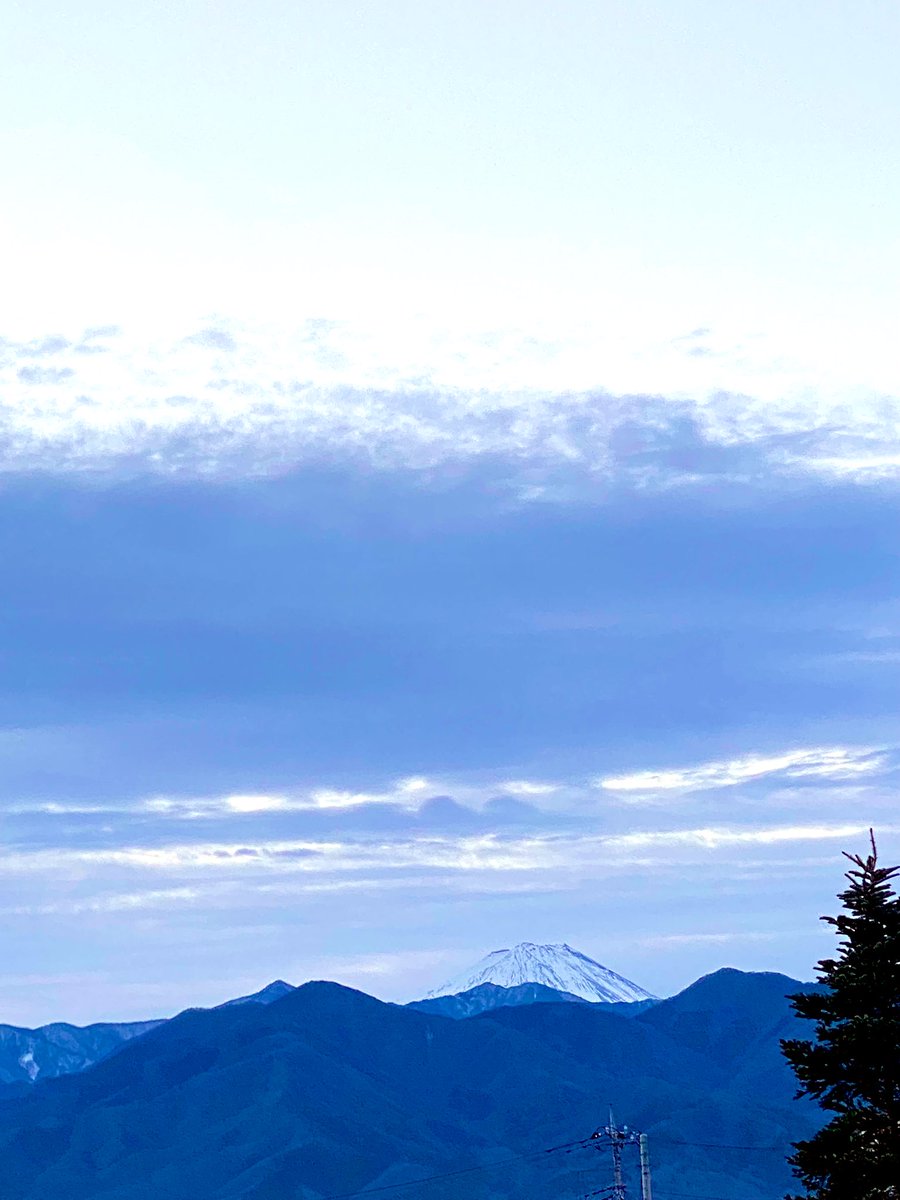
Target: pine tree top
{"points": [[852, 1066]]}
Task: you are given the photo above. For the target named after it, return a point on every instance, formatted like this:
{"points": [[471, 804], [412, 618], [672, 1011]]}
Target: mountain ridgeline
{"points": [[27, 1055], [486, 996], [326, 1091], [503, 978]]}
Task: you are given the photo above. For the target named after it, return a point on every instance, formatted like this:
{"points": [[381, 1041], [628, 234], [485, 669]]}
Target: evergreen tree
{"points": [[852, 1066]]}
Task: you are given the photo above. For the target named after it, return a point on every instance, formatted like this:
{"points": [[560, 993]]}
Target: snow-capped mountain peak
{"points": [[555, 966]]}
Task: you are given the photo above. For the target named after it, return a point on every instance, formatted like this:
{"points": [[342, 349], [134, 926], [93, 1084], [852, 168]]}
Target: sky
{"points": [[449, 463]]}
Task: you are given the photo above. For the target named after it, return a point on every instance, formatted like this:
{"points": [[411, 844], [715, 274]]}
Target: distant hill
{"points": [[30, 1054], [328, 1091], [490, 995], [27, 1055]]}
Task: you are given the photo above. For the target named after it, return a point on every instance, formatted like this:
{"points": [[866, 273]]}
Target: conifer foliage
{"points": [[852, 1065]]}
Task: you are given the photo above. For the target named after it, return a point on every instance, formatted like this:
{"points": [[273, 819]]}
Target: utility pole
{"points": [[618, 1139], [646, 1193]]}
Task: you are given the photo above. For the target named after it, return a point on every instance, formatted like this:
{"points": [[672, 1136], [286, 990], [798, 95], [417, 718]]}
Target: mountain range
{"points": [[27, 1055], [504, 977], [326, 1091]]}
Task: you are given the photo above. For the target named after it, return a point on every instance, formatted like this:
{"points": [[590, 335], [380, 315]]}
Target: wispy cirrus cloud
{"points": [[830, 762], [715, 838], [409, 794], [481, 852], [677, 941], [844, 774], [108, 902], [488, 852]]}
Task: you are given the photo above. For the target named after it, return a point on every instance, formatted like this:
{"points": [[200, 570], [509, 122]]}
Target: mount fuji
{"points": [[555, 966]]}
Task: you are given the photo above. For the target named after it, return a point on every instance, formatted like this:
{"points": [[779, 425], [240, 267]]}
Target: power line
{"points": [[389, 1187], [718, 1145], [568, 1147]]}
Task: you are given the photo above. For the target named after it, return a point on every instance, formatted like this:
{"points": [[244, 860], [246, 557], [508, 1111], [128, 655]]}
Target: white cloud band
{"points": [[229, 400]]}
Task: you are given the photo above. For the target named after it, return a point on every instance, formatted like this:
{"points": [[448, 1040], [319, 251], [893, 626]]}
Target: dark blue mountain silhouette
{"points": [[329, 1091], [491, 995], [27, 1055]]}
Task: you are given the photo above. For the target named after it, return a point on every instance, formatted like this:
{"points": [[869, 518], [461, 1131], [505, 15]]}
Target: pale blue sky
{"points": [[714, 159], [449, 489]]}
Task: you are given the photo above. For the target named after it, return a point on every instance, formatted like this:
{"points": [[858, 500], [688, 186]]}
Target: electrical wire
{"points": [[513, 1158], [661, 1141], [568, 1147]]}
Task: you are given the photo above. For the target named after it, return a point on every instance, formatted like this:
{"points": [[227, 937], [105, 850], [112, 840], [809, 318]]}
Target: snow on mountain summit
{"points": [[556, 966]]}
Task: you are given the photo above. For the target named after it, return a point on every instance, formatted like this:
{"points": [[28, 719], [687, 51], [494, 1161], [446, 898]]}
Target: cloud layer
{"points": [[260, 868], [548, 411], [830, 762]]}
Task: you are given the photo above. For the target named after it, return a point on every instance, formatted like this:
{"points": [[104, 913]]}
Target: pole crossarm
{"points": [[616, 1138]]}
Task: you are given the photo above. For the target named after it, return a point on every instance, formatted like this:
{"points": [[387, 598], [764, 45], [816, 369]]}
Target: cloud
{"points": [[44, 374], [717, 838], [408, 794], [574, 411], [862, 467], [841, 776], [413, 795], [527, 787], [887, 658], [675, 941], [481, 852], [255, 804], [42, 347], [439, 846], [214, 339], [478, 852], [833, 762], [108, 903], [379, 965]]}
